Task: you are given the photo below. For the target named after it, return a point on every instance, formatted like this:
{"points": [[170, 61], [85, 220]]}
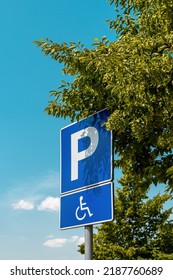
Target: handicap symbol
{"points": [[82, 208]]}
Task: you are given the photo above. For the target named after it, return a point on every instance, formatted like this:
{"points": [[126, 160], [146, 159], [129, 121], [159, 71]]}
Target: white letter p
{"points": [[76, 156]]}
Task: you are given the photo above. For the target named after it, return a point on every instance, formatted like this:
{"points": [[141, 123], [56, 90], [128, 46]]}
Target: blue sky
{"points": [[29, 142]]}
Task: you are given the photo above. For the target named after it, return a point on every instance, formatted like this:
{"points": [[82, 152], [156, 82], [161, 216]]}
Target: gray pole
{"points": [[89, 242]]}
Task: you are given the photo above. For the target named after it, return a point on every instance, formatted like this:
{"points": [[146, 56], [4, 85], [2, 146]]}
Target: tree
{"points": [[133, 78], [140, 231]]}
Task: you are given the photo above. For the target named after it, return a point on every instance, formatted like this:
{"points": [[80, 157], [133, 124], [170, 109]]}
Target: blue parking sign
{"points": [[85, 207], [86, 153]]}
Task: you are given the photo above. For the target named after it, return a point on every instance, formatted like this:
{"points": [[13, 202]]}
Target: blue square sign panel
{"points": [[85, 207], [86, 153]]}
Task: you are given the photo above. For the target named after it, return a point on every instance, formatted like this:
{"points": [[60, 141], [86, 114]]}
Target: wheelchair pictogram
{"points": [[82, 210]]}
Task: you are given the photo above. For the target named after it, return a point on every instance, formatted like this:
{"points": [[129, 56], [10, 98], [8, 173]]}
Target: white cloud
{"points": [[55, 243], [76, 239], [49, 204], [23, 205], [80, 241], [73, 238], [60, 242]]}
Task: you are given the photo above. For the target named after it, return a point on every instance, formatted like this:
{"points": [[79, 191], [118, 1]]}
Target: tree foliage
{"points": [[141, 230], [133, 78]]}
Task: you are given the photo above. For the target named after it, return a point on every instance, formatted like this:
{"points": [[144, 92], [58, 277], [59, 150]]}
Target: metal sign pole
{"points": [[89, 242]]}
